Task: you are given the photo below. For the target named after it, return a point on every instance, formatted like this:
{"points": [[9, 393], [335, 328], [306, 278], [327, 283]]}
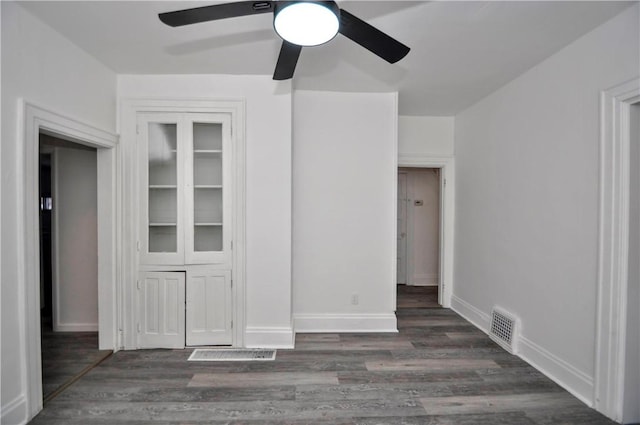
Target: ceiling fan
{"points": [[298, 23]]}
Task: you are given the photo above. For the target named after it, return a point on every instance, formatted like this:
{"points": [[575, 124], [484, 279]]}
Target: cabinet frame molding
{"points": [[130, 108]]}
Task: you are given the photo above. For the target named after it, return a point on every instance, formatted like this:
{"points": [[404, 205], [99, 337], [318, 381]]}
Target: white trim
{"points": [[33, 120], [77, 327], [15, 412], [55, 245], [613, 243], [318, 323], [478, 318], [446, 164], [393, 283], [419, 157], [410, 229], [407, 260], [425, 279], [129, 109], [269, 337], [577, 382]]}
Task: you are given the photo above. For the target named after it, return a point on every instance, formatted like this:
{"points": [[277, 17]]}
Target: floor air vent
{"points": [[222, 355], [503, 329]]}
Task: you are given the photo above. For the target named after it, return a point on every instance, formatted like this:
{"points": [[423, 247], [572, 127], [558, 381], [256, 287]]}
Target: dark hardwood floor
{"points": [[438, 370], [65, 356], [417, 297]]}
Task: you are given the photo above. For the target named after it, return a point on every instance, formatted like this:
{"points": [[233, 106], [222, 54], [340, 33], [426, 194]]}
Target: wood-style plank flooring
{"points": [[438, 370], [417, 297], [65, 355]]}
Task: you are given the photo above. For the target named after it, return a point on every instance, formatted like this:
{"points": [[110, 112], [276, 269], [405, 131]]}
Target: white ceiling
{"points": [[461, 51]]}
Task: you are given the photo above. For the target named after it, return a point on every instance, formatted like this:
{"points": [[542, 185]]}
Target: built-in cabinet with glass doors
{"points": [[185, 225]]}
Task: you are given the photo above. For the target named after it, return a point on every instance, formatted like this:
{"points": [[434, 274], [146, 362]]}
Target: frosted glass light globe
{"points": [[306, 23]]}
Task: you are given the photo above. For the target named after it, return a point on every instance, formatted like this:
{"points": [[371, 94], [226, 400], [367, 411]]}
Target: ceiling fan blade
{"points": [[371, 38], [215, 12], [287, 60]]}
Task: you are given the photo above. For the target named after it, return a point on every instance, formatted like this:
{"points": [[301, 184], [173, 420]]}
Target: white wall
{"points": [[76, 237], [425, 136], [527, 200], [423, 225], [268, 186], [631, 410], [344, 185], [40, 66]]}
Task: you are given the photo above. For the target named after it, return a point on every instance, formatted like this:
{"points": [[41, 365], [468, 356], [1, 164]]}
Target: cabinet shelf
{"points": [[163, 186], [208, 186], [208, 224], [162, 224], [207, 151]]}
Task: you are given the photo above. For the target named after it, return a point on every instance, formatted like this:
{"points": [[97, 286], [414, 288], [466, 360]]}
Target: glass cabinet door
{"points": [[163, 187], [162, 234], [186, 185], [207, 239], [207, 187]]}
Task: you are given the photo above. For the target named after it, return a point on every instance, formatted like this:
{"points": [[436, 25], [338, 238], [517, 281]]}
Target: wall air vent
{"points": [[503, 329]]}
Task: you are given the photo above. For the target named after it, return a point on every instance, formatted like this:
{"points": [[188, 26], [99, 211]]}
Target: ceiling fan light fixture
{"points": [[307, 23]]}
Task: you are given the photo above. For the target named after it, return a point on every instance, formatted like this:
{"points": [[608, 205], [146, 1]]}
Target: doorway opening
{"points": [[68, 263], [419, 237], [36, 121]]}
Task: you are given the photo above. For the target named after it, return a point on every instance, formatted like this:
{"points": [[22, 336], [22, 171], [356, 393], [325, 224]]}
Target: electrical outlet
{"points": [[355, 299]]}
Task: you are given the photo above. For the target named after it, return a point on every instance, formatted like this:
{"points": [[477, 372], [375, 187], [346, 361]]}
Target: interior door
{"points": [[161, 322], [209, 312], [402, 228]]}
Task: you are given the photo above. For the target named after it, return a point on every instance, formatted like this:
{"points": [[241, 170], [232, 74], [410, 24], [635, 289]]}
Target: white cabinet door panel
{"points": [[209, 312], [161, 320]]}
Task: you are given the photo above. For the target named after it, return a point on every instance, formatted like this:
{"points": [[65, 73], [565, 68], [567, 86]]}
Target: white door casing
{"points": [[446, 164], [402, 229], [34, 120], [613, 246]]}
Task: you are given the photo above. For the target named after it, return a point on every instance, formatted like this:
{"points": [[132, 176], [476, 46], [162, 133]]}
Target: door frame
{"points": [[406, 216], [613, 247], [130, 108], [35, 119], [446, 164]]}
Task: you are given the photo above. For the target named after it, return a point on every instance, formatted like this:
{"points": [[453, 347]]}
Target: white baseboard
{"points": [[424, 280], [564, 374], [75, 327], [316, 323], [15, 412], [265, 337], [477, 317]]}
